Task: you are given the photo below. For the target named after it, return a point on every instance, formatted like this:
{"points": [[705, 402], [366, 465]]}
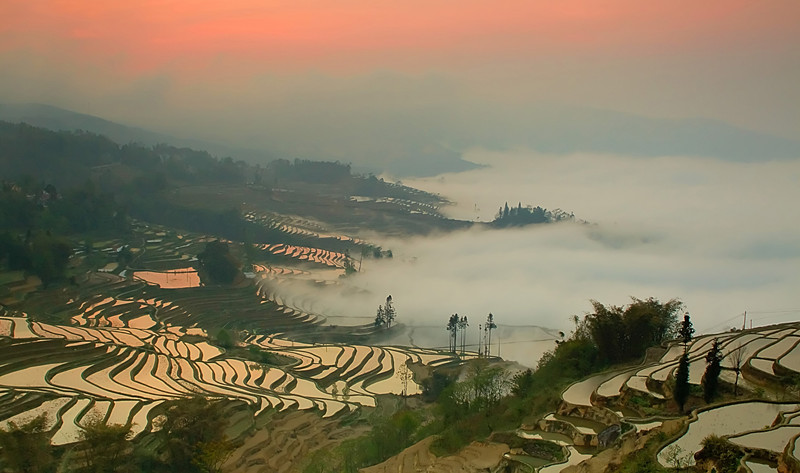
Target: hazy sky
{"points": [[376, 82], [359, 80]]}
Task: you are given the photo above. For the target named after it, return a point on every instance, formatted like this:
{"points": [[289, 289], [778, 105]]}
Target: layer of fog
{"points": [[722, 237]]}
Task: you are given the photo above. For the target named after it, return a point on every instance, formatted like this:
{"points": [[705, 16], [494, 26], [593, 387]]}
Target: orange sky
{"points": [[138, 36], [232, 69]]}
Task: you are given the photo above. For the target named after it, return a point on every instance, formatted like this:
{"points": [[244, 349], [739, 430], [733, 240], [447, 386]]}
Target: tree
{"points": [[681, 393], [25, 448], [104, 448], [737, 358], [217, 264], [192, 435], [225, 339], [49, 257], [405, 376], [713, 370], [725, 456], [452, 327], [490, 325], [380, 317], [349, 267], [389, 312], [677, 457], [625, 333], [686, 331], [462, 325], [521, 383]]}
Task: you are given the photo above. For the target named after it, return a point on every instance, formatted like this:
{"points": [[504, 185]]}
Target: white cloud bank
{"points": [[722, 237]]}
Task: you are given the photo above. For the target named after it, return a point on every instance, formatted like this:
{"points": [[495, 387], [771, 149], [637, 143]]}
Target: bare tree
{"points": [[405, 376], [677, 457], [737, 358]]}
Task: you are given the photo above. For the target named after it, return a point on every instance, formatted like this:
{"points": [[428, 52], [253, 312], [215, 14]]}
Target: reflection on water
{"points": [[172, 279]]}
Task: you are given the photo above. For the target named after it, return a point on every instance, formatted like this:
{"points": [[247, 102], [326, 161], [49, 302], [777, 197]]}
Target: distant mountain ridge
{"points": [[57, 119], [429, 149]]}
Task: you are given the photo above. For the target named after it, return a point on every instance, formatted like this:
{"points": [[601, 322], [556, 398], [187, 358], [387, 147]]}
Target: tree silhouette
{"points": [[713, 370], [26, 447], [686, 331], [490, 325], [462, 325], [452, 327], [389, 312], [681, 393], [380, 317], [737, 357]]}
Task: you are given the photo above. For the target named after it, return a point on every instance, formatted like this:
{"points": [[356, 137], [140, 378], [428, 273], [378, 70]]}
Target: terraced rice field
{"points": [[769, 352], [731, 420], [123, 373], [172, 279]]}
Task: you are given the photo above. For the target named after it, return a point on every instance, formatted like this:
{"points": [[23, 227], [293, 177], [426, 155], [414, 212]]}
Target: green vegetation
{"points": [[724, 455], [682, 388], [191, 439], [623, 334], [43, 255], [388, 436], [104, 448], [217, 264], [640, 461], [26, 448], [266, 358]]}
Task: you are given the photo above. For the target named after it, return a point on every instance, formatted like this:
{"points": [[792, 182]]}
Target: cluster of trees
{"points": [[470, 405], [303, 170], [42, 254], [710, 381], [458, 325], [528, 215], [624, 333], [69, 158], [483, 387], [34, 206], [218, 265], [191, 439], [455, 325], [386, 314]]}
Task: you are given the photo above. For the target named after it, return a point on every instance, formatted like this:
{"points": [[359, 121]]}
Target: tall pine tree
{"points": [[686, 331], [681, 392], [713, 370]]}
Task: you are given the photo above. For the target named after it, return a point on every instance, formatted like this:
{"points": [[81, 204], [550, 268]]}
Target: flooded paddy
{"points": [[172, 279], [580, 393], [728, 420], [774, 439]]}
